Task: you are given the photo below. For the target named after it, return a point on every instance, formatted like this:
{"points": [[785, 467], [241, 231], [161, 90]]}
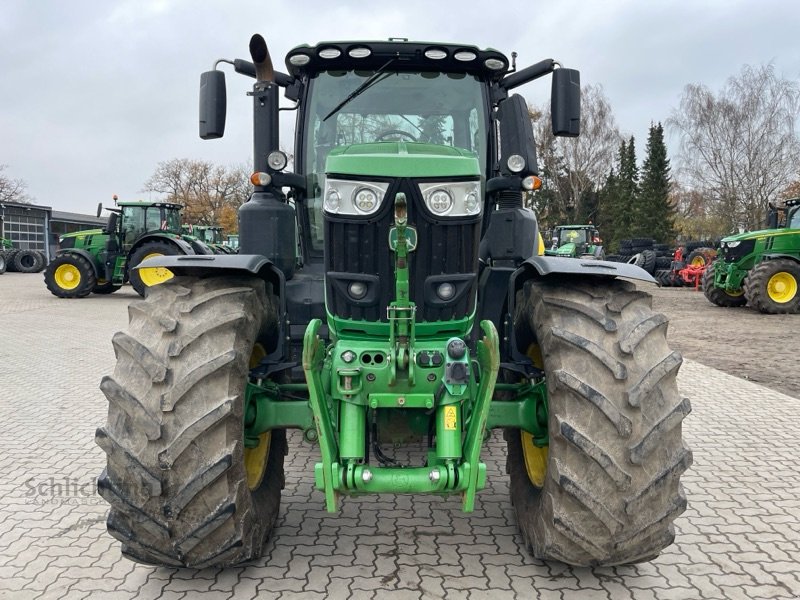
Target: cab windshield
{"points": [[446, 109], [573, 236]]}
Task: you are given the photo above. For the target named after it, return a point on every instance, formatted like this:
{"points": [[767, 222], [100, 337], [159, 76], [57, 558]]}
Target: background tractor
{"points": [[211, 235], [576, 241], [759, 268], [100, 261], [394, 309]]}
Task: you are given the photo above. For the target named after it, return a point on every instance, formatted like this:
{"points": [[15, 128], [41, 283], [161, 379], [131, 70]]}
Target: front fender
{"points": [[542, 266], [210, 265]]}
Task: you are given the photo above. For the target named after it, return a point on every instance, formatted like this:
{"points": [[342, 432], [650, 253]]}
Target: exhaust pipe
{"points": [[261, 59]]}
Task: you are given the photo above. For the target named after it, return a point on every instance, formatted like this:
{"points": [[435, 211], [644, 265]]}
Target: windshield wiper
{"points": [[373, 79]]}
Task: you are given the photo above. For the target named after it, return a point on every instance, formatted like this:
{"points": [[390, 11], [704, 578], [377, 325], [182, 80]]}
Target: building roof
{"points": [[24, 205], [70, 217]]}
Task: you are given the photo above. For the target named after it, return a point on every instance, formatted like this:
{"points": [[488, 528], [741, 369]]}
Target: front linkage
{"points": [[355, 379]]}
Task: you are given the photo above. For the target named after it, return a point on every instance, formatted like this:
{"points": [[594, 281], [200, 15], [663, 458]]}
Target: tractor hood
{"points": [[751, 235], [402, 159], [83, 233]]}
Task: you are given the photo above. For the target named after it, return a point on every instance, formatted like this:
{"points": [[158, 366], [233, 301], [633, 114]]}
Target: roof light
{"points": [[465, 55], [495, 64], [298, 60], [330, 53], [435, 53], [359, 52]]}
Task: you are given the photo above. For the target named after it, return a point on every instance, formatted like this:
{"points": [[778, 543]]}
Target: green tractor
{"points": [[576, 241], [395, 310], [232, 241], [100, 261], [211, 235], [759, 268]]}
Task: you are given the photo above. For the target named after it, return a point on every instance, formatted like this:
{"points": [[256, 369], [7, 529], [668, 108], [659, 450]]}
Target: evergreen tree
{"points": [[619, 197], [655, 214], [606, 211]]}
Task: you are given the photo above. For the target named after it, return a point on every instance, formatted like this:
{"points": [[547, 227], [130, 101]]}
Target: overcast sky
{"points": [[96, 94]]}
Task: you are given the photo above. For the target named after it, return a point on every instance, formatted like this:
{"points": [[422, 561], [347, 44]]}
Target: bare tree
{"points": [[579, 165], [12, 190], [740, 147], [210, 193]]}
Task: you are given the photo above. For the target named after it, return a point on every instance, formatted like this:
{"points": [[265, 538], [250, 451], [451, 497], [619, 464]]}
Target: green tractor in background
{"points": [[232, 242], [759, 268], [410, 318], [100, 261], [576, 241], [211, 235]]}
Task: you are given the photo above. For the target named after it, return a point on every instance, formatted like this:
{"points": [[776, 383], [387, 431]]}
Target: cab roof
{"points": [[370, 55], [143, 204]]}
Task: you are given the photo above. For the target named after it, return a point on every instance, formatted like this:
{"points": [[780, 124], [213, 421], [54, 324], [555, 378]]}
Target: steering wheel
{"points": [[387, 132]]}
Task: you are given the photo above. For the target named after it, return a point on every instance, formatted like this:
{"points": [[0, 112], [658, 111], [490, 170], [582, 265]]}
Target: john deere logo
{"points": [[411, 238]]}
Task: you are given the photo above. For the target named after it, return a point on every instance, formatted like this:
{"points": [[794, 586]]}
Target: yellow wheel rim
{"points": [[535, 459], [67, 277], [698, 261], [155, 275], [255, 459], [782, 287]]}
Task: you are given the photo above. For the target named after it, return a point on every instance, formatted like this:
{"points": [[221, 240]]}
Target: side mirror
{"points": [[565, 101], [516, 136], [213, 105], [99, 209]]}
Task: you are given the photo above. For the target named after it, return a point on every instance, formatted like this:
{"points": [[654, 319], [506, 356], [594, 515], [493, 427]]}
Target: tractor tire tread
{"points": [[616, 453], [175, 476]]}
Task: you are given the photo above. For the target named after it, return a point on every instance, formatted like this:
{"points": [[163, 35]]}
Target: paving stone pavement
{"points": [[739, 538]]}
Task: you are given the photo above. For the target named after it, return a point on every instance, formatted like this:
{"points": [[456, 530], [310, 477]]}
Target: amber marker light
{"points": [[260, 179], [531, 183]]}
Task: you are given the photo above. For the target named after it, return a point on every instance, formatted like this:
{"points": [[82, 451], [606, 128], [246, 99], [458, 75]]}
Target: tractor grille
{"points": [[357, 249], [744, 248]]}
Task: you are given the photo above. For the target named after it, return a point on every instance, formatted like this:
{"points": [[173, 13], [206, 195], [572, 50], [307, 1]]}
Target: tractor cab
{"points": [[575, 241], [140, 218]]}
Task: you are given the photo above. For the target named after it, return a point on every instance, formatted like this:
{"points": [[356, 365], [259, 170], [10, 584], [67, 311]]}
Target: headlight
{"points": [[733, 244], [440, 201], [452, 199], [353, 197]]}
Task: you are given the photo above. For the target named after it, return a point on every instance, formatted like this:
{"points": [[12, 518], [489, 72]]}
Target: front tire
{"points": [[177, 473], [720, 296], [611, 489], [70, 275], [773, 286]]}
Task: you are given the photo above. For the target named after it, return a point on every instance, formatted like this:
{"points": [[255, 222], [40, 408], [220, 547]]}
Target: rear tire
{"points": [[720, 296], [176, 478], [773, 287], [148, 250], [701, 257], [2, 263], [612, 486], [70, 275]]}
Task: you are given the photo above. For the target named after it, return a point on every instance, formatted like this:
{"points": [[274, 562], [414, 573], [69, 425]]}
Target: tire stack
{"points": [[24, 261], [638, 251]]}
